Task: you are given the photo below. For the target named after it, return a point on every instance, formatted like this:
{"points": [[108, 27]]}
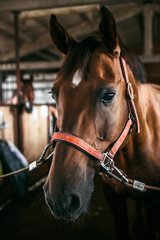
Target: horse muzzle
{"points": [[68, 206]]}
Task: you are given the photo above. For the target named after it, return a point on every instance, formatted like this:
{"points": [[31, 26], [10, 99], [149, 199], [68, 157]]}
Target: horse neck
{"points": [[146, 106]]}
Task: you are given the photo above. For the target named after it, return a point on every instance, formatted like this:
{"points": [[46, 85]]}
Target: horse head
{"points": [[90, 94], [26, 95]]}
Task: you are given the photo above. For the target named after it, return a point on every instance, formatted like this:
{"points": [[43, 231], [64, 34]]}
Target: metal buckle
{"points": [[109, 164], [106, 156], [130, 90]]}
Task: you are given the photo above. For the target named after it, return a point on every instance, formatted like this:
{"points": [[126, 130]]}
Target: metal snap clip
{"points": [[130, 90]]}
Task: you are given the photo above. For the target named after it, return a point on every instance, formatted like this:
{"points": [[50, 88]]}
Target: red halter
{"points": [[109, 154]]}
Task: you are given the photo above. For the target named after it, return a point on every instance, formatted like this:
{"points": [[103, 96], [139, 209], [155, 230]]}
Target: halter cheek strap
{"points": [[130, 93]]}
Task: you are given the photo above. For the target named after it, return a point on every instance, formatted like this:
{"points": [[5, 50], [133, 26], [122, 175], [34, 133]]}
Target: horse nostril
{"points": [[73, 203]]}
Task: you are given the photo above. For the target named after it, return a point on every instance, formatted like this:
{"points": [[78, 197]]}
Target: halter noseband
{"points": [[106, 158]]}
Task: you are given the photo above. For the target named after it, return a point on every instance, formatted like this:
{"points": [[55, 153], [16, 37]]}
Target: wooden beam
{"points": [[32, 65], [21, 5], [150, 58], [123, 13], [71, 10], [57, 64], [28, 47], [9, 30], [45, 56], [59, 11], [45, 40], [85, 27], [154, 7], [148, 41]]}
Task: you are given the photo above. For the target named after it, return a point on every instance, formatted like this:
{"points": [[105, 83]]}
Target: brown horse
{"points": [[25, 96], [92, 103]]}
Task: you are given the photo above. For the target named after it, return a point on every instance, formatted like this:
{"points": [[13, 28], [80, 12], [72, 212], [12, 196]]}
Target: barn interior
{"points": [[27, 51]]}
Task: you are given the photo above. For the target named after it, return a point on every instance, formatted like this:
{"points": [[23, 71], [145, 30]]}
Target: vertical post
{"points": [[16, 30], [148, 41], [19, 115], [1, 86]]}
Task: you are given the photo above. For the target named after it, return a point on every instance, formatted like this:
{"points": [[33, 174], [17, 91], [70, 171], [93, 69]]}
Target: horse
{"points": [[24, 96], [104, 103]]}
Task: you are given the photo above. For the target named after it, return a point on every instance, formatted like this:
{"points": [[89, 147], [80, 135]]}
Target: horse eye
{"points": [[106, 97]]}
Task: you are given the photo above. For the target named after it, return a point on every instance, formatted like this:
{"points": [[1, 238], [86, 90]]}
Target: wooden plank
{"points": [[35, 132], [20, 5], [150, 58], [9, 117], [148, 42], [132, 8], [32, 65], [59, 11]]}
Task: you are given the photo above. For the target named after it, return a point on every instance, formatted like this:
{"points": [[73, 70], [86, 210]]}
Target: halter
{"points": [[106, 158], [109, 154]]}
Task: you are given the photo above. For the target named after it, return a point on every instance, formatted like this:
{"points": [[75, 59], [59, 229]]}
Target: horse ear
{"points": [[61, 39], [108, 31]]}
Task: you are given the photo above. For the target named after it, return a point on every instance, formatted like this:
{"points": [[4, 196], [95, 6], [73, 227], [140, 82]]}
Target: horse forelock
{"points": [[79, 58], [81, 54]]}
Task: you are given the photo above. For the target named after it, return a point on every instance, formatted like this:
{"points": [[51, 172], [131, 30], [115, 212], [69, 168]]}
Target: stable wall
{"points": [[35, 136]]}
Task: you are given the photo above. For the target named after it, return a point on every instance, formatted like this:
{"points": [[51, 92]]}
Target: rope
{"points": [[15, 172], [32, 165]]}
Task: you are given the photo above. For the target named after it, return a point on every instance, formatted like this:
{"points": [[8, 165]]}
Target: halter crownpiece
{"points": [[130, 93]]}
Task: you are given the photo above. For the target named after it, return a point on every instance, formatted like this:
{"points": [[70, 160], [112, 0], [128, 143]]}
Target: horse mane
{"points": [[81, 54], [135, 64]]}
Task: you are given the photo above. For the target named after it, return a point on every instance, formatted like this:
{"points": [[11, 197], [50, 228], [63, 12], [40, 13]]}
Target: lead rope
{"points": [[108, 169], [34, 164]]}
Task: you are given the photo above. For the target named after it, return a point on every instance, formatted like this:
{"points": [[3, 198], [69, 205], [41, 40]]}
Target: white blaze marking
{"points": [[77, 78]]}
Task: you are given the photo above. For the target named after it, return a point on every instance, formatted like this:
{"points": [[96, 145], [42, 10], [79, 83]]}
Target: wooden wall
{"points": [[35, 136], [35, 132], [34, 129], [9, 117]]}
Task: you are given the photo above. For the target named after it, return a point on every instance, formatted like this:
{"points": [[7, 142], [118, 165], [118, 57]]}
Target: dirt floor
{"points": [[28, 217]]}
